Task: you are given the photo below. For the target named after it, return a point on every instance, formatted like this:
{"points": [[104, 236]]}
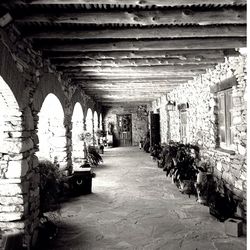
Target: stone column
{"points": [[19, 183], [84, 142], [68, 146], [93, 132]]}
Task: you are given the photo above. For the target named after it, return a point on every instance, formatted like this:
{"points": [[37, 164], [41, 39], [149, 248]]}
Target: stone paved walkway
{"points": [[134, 206]]}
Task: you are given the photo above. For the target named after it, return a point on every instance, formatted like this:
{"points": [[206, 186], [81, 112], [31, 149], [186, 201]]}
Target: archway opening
{"points": [[9, 114], [89, 127], [77, 133], [96, 125], [51, 132], [10, 126], [100, 122], [13, 166]]}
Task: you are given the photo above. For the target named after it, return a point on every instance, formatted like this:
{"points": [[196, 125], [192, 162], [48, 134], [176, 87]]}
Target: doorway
{"points": [[124, 125], [155, 137]]}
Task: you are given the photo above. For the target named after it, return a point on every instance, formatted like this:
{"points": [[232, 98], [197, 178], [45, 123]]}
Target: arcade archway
{"points": [[51, 131], [77, 133]]}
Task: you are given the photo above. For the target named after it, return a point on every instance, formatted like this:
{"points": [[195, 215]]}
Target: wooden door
{"points": [[124, 125], [154, 129]]}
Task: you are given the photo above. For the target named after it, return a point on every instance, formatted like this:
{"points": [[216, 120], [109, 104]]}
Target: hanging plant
{"points": [[87, 137]]}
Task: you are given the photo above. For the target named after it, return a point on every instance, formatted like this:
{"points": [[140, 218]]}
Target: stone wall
{"points": [[29, 80], [139, 122], [202, 119]]}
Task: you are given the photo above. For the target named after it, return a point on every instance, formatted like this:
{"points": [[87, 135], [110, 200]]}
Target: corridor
{"points": [[134, 206]]}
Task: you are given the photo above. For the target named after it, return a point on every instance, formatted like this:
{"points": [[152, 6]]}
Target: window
{"points": [[183, 121], [183, 126], [225, 118]]}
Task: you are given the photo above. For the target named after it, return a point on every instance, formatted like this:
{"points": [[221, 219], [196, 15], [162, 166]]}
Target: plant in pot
{"points": [[168, 158], [92, 157], [184, 172], [155, 152], [202, 182], [221, 203], [53, 188], [100, 134]]}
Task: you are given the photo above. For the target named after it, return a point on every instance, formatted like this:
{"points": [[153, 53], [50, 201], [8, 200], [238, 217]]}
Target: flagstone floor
{"points": [[134, 206]]}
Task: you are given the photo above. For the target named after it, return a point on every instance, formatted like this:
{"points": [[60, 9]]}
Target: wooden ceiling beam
{"points": [[134, 90], [114, 77], [125, 97], [125, 85], [164, 75], [151, 54], [145, 17], [135, 33], [172, 44], [129, 104], [133, 62], [130, 82], [159, 3], [172, 77], [139, 69], [127, 91]]}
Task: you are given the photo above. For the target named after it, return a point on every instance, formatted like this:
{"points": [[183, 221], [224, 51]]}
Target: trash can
{"points": [[81, 181]]}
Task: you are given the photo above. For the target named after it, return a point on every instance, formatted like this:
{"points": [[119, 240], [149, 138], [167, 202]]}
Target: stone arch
{"points": [[9, 108], [100, 122], [49, 84], [95, 127], [95, 121], [89, 126], [14, 166], [89, 121], [51, 131], [15, 79], [78, 98], [77, 132]]}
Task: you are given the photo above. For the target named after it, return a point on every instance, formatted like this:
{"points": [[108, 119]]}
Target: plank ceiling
{"points": [[130, 51]]}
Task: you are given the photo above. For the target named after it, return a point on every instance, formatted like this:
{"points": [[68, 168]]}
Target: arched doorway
{"points": [[51, 132], [96, 125], [77, 132], [89, 127]]}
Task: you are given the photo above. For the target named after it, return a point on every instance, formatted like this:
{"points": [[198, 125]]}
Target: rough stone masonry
{"points": [[229, 166]]}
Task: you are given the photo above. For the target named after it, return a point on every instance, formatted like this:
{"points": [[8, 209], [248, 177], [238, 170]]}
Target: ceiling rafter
{"points": [[158, 3], [145, 17], [145, 45], [136, 33], [124, 52]]}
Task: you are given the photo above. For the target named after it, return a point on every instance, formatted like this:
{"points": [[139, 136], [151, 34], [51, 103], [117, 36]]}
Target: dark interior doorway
{"points": [[124, 125], [154, 129]]}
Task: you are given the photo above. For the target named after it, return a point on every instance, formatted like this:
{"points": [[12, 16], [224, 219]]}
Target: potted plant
{"points": [[155, 152], [54, 187], [168, 158], [100, 134], [180, 165], [93, 156], [201, 184], [186, 172]]}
